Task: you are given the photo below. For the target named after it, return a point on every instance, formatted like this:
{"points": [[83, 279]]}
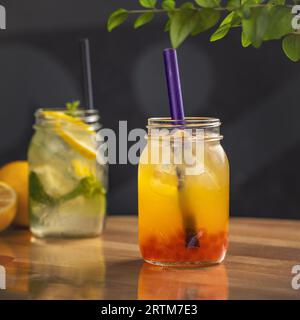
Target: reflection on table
{"points": [[183, 283], [65, 269], [14, 269], [57, 269]]}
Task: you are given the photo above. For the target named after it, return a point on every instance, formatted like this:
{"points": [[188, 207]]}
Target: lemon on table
{"points": [[8, 205], [16, 174]]}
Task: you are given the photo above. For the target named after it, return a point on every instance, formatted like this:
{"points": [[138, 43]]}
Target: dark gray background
{"points": [[254, 92]]}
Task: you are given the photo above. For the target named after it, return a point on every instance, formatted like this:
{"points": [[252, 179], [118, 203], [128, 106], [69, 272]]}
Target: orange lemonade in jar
{"points": [[183, 207]]}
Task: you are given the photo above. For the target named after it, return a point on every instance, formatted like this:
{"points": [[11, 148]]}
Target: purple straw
{"points": [[177, 113], [174, 87]]}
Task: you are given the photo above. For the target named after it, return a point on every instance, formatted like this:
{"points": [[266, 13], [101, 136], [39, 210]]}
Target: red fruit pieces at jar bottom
{"points": [[212, 248]]}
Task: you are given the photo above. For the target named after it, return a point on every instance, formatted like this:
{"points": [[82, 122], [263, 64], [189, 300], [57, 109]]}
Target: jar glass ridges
{"points": [[67, 185], [183, 218]]}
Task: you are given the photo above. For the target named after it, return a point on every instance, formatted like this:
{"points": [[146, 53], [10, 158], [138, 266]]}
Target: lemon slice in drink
{"points": [[78, 141], [61, 117], [79, 135], [8, 205]]}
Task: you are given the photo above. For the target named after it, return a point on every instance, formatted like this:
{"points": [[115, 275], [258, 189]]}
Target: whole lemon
{"points": [[16, 175]]}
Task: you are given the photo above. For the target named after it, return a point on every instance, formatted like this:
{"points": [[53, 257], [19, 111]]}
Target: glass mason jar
{"points": [[67, 185], [183, 193]]}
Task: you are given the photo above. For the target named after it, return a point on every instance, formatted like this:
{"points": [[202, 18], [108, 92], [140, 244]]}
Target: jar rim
{"points": [[199, 122], [90, 116], [80, 111]]}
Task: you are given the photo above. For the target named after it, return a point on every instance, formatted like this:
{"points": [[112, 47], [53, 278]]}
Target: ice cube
{"points": [[164, 180]]}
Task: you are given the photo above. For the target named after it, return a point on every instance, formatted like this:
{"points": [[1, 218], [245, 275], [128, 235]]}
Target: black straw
{"points": [[87, 73]]}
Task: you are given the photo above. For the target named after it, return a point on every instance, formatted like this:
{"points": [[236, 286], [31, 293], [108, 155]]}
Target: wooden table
{"points": [[258, 266]]}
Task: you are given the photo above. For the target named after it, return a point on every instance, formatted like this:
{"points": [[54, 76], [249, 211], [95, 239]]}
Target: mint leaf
{"points": [[183, 22], [37, 192], [72, 106], [256, 27], [291, 47], [143, 19], [87, 187], [149, 4], [230, 20], [116, 18], [206, 19], [208, 3], [168, 4]]}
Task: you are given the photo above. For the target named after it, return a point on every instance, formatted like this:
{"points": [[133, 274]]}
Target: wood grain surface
{"points": [[259, 265]]}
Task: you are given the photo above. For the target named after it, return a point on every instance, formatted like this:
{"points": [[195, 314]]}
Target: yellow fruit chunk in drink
{"points": [[81, 169]]}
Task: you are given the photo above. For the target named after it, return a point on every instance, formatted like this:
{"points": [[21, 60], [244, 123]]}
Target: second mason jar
{"points": [[183, 206], [67, 185]]}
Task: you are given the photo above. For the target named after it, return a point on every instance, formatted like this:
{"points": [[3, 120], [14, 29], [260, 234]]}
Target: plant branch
{"points": [[259, 22], [141, 11]]}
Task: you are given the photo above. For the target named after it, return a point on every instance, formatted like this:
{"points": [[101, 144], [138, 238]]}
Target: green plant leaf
{"points": [[149, 4], [143, 19], [167, 26], [279, 23], [206, 19], [256, 27], [245, 40], [244, 12], [208, 3], [183, 22], [224, 27], [251, 2], [261, 20], [168, 4], [116, 18], [277, 2], [291, 47], [233, 4], [188, 5]]}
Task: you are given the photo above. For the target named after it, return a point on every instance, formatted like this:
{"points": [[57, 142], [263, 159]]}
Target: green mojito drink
{"points": [[67, 185]]}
